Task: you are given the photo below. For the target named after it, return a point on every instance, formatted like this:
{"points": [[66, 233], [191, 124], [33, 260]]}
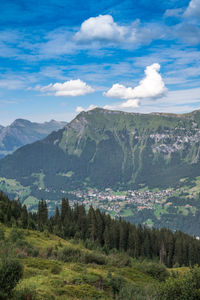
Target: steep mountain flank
{"points": [[102, 148], [145, 167]]}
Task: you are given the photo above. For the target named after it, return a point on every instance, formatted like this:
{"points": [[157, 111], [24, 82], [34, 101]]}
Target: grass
{"points": [[39, 180], [119, 193], [30, 200], [68, 174], [53, 279], [126, 212], [149, 223], [159, 211], [183, 210], [13, 186]]}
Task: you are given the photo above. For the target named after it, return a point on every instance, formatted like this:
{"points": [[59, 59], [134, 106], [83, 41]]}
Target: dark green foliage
{"points": [[56, 269], [157, 271], [119, 259], [69, 254], [2, 236], [42, 215], [94, 258], [100, 232], [26, 293], [116, 283], [130, 292], [181, 287], [11, 272], [16, 235]]}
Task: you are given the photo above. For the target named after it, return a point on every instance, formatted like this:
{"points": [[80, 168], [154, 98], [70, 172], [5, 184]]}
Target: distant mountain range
{"points": [[22, 132], [121, 151]]}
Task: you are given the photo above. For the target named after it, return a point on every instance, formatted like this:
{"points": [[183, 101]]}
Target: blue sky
{"points": [[59, 57]]}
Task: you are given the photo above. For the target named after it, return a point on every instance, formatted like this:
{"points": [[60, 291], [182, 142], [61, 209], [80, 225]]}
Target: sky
{"points": [[60, 57]]}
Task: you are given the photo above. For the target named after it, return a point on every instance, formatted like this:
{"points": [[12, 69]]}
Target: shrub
{"points": [[95, 258], [185, 286], [16, 235], [10, 274], [116, 283], [157, 271], [35, 252], [120, 260], [68, 254], [2, 235], [130, 292], [25, 293], [56, 269], [49, 252]]}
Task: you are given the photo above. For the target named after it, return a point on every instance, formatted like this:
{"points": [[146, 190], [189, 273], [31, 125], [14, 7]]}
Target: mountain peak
{"points": [[20, 122]]}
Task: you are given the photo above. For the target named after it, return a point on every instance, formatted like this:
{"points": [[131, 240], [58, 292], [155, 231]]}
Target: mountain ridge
{"points": [[102, 149], [21, 132]]}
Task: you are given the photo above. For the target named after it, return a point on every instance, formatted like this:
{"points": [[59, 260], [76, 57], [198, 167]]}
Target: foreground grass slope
{"points": [[58, 269]]}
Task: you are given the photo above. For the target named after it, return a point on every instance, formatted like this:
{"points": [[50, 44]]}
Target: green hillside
{"points": [[36, 264], [49, 277], [102, 149]]}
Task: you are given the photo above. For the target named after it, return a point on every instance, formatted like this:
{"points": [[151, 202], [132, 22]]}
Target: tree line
{"points": [[98, 228]]}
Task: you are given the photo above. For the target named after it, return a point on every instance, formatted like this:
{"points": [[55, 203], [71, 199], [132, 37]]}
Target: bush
{"points": [[68, 254], [10, 274], [130, 292], [157, 271], [25, 293], [49, 252], [120, 260], [16, 235], [2, 235], [56, 269], [181, 287], [95, 258], [116, 283]]}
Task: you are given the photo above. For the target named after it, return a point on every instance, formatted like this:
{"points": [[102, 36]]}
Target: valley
{"points": [[142, 167], [149, 207]]}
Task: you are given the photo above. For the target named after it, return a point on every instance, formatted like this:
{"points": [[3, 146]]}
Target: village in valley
{"points": [[122, 202]]}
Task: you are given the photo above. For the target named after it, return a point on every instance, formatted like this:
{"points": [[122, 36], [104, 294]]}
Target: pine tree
{"points": [[24, 217], [92, 224]]}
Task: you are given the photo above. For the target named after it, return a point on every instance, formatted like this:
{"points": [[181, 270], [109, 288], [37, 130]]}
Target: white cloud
{"points": [[129, 104], [80, 108], [151, 86], [102, 28], [68, 88], [176, 12], [179, 101], [193, 9]]}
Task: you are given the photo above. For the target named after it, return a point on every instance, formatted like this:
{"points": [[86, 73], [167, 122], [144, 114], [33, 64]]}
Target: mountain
{"points": [[102, 149], [22, 132], [111, 149]]}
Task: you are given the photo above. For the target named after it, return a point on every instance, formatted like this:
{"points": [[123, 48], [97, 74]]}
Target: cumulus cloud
{"points": [[151, 86], [102, 28], [80, 108], [193, 9], [68, 88], [129, 104]]}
